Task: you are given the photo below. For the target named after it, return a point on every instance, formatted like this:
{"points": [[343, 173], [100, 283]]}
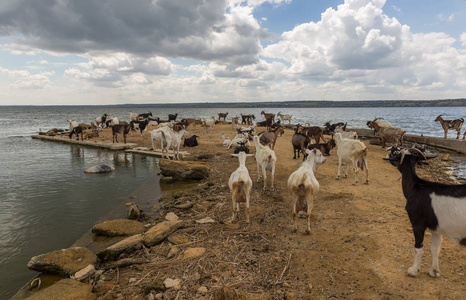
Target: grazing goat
{"points": [[172, 139], [451, 125], [172, 117], [313, 132], [265, 159], [379, 122], [285, 117], [240, 185], [440, 208], [77, 131], [304, 187], [101, 120], [323, 147], [270, 137], [133, 116], [191, 142], [222, 115], [120, 129], [389, 134], [353, 151], [209, 123], [247, 119], [242, 147]]}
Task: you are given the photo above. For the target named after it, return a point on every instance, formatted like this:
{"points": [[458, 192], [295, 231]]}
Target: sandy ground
{"points": [[360, 245]]}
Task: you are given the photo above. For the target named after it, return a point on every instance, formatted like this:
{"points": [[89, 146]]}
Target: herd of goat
{"points": [[439, 208]]}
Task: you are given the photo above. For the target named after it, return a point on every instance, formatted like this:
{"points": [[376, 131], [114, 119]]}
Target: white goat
{"points": [[347, 134], [226, 140], [170, 124], [285, 117], [239, 138], [113, 120], [156, 135], [209, 123], [240, 185], [133, 116], [172, 139], [353, 151], [73, 124], [304, 186], [265, 159]]}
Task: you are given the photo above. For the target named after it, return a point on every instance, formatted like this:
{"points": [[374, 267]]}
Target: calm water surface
{"points": [[47, 202]]}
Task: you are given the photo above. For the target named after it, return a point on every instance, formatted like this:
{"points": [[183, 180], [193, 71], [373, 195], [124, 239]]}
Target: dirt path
{"points": [[360, 245]]}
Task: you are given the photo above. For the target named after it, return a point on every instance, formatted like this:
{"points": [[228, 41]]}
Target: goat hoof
{"points": [[337, 178], [294, 230], [308, 231], [412, 271], [367, 182], [434, 273]]}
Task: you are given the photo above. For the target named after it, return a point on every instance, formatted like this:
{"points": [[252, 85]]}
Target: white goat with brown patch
{"points": [[304, 186], [354, 152], [266, 159], [240, 185]]}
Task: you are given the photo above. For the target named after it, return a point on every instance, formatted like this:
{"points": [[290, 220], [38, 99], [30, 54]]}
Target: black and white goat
{"points": [[139, 125], [440, 208]]}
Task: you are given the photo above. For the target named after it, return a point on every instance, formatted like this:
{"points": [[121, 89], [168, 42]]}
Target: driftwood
{"points": [[125, 263]]}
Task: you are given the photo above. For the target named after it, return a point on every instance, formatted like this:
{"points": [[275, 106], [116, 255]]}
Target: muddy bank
{"points": [[360, 244]]}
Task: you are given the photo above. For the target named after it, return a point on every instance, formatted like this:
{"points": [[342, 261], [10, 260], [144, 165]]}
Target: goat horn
{"points": [[417, 150]]}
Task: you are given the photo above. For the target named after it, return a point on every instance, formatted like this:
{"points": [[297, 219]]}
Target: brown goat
{"points": [[312, 132], [451, 125], [270, 137], [268, 116], [222, 115]]}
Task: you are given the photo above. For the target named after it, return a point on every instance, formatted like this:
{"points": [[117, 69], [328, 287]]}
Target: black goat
{"points": [[242, 147], [120, 129], [323, 147], [145, 116], [172, 117], [191, 142], [441, 208], [300, 142], [332, 127], [139, 125], [76, 130]]}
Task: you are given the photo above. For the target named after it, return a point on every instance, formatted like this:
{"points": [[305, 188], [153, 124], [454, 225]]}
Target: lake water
{"points": [[47, 202]]}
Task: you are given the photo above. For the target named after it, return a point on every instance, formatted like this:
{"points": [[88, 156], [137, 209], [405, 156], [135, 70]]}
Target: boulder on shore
{"points": [[64, 262], [100, 169], [65, 289], [184, 170], [118, 227]]}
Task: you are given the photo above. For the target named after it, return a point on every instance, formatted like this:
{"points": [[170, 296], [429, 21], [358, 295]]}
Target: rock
{"points": [[133, 212], [225, 293], [191, 253], [446, 157], [254, 296], [205, 220], [184, 206], [202, 290], [161, 231], [178, 239], [172, 283], [173, 252], [100, 169], [65, 289], [118, 227], [64, 262], [162, 250], [184, 170], [84, 273], [125, 246], [166, 179], [171, 217]]}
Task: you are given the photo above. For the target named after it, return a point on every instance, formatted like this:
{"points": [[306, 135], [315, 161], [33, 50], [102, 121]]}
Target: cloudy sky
{"points": [[174, 51]]}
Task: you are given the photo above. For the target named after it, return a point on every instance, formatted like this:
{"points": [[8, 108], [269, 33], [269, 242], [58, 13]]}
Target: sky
{"points": [[79, 52]]}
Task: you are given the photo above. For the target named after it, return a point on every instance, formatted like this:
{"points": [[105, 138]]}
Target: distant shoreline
{"points": [[277, 104]]}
